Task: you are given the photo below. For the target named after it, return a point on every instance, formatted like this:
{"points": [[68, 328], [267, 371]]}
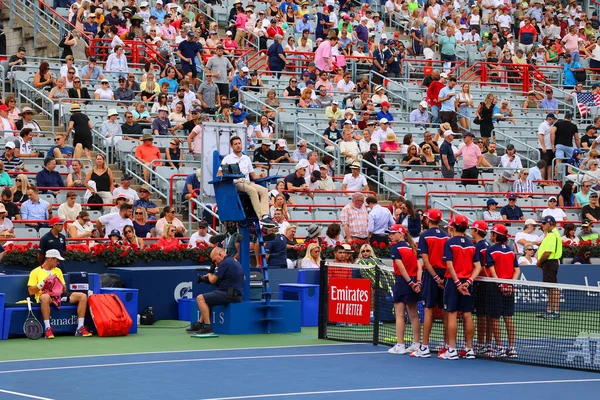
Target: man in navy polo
{"points": [[53, 239], [276, 251], [187, 51], [511, 211], [228, 279], [48, 177]]}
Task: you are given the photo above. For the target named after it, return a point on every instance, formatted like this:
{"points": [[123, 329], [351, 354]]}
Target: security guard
{"points": [[549, 254]]}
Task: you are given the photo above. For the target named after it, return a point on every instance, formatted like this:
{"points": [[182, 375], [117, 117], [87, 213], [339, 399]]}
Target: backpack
{"points": [[580, 76], [95, 199]]}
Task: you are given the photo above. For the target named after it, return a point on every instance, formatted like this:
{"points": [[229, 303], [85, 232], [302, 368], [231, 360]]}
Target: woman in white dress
{"points": [[312, 259], [528, 256]]}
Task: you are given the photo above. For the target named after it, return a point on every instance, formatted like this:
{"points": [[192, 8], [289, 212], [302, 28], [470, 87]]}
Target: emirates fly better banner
{"points": [[349, 300]]}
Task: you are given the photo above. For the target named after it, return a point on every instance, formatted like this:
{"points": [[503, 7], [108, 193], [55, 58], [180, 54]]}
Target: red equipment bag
{"points": [[109, 315]]}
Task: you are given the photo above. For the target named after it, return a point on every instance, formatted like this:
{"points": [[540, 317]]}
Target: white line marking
{"points": [[182, 351], [29, 396], [192, 360], [461, 385]]}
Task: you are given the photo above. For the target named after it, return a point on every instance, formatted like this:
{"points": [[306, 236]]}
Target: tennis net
{"points": [[356, 305]]}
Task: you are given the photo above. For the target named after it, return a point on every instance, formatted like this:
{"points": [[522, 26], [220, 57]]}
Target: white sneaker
{"points": [[398, 349], [450, 355], [421, 352], [469, 354], [413, 347]]}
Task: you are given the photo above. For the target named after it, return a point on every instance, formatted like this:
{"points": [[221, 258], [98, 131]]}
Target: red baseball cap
{"points": [[385, 104], [397, 229], [434, 214], [54, 221], [451, 223], [461, 220], [480, 226], [4, 107], [500, 229]]}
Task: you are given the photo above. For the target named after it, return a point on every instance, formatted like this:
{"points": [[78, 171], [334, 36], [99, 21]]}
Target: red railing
{"points": [[60, 17]]}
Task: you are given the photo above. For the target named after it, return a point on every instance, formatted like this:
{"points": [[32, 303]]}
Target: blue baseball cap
{"points": [[491, 201], [576, 152], [548, 218], [238, 105]]}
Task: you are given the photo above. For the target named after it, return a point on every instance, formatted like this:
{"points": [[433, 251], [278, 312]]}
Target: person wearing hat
{"points": [[390, 144], [6, 123], [587, 233], [201, 236], [355, 181], [220, 68], [564, 133], [503, 184], [187, 51], [592, 210], [296, 180], [263, 156], [385, 113], [549, 104], [447, 157], [570, 67], [420, 116], [147, 152], [125, 188], [554, 211], [115, 237], [82, 127], [159, 12], [511, 159], [37, 285], [143, 201], [381, 56], [512, 212], [239, 82], [545, 145], [27, 120], [303, 23], [549, 254], [111, 129]]}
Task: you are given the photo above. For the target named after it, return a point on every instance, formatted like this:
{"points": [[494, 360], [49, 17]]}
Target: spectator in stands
{"points": [[148, 152], [116, 64], [48, 177], [379, 96], [77, 91], [279, 202], [312, 259], [472, 157], [590, 211], [10, 161], [36, 209], [131, 129], [385, 113], [528, 255], [11, 208], [491, 213], [102, 175], [174, 154], [92, 72], [111, 129], [390, 144], [43, 79], [70, 209], [333, 111], [238, 115], [326, 182], [124, 93], [23, 147], [570, 67], [527, 237], [587, 234], [201, 236], [126, 189], [484, 115], [62, 152], [6, 123], [382, 133], [115, 221], [511, 211], [502, 184], [582, 197], [82, 127], [19, 190], [510, 159], [354, 218], [545, 144], [554, 211], [447, 157], [301, 152], [82, 227], [142, 227], [591, 134], [296, 180], [563, 133], [523, 186], [549, 103], [491, 156], [349, 149], [168, 241], [355, 181], [380, 219], [27, 120], [279, 217], [161, 125], [6, 225], [568, 236], [333, 235], [420, 116], [276, 251], [535, 173], [77, 177], [447, 99]]}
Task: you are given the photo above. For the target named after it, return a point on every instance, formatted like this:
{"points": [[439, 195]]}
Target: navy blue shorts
{"points": [[498, 304], [432, 294], [481, 291], [187, 68], [403, 293], [455, 301], [219, 297]]}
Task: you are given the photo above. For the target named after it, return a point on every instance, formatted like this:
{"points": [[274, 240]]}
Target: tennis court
{"points": [[247, 367]]}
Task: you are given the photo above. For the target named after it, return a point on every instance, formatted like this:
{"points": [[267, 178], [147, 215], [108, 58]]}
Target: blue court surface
{"points": [[329, 371]]}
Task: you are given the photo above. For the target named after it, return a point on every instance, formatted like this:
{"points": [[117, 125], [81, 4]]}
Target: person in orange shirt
{"points": [[146, 153]]}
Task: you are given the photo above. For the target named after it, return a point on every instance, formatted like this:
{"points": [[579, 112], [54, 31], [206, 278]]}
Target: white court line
{"points": [[193, 360], [180, 352], [29, 396], [397, 388]]}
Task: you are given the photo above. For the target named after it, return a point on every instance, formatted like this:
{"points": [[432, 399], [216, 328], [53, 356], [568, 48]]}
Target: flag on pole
{"points": [[586, 100]]}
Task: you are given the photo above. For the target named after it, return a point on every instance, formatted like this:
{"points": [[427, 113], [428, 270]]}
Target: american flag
{"points": [[585, 100]]}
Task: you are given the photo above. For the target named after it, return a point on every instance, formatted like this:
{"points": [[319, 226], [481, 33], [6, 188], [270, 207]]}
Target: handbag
{"points": [[477, 120]]}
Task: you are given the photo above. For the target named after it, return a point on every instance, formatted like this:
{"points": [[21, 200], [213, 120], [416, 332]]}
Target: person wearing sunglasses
{"points": [[168, 241], [130, 239], [168, 217]]}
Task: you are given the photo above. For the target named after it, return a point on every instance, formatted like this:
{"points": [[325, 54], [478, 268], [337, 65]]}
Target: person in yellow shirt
{"points": [[549, 254], [37, 280]]}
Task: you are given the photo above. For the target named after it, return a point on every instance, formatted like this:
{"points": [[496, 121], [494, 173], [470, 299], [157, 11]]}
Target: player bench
{"points": [[12, 315]]}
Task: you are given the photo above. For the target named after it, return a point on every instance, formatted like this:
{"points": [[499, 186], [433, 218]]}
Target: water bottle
{"points": [[138, 319]]}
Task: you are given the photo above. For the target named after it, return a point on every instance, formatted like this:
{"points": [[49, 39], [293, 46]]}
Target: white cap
{"points": [[143, 4], [245, 69], [163, 108], [462, 27], [159, 2], [383, 36], [335, 102], [10, 145], [424, 104], [444, 75], [228, 33], [54, 254], [112, 112], [383, 121], [301, 164], [347, 122], [448, 133], [282, 143], [157, 39]]}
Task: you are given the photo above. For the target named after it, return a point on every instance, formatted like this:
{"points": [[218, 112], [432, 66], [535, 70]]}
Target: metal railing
{"points": [[26, 93]]}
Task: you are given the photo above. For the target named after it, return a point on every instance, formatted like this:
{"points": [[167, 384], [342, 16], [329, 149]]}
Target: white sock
{"points": [[47, 323], [80, 322]]}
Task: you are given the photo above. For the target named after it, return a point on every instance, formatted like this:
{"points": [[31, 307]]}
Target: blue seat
{"points": [[309, 299], [311, 276]]}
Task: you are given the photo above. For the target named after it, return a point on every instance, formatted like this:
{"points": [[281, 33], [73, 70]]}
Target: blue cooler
{"points": [[129, 298], [184, 305]]}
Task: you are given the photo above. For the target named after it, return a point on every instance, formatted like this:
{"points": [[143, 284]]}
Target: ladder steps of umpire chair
{"points": [[266, 282]]}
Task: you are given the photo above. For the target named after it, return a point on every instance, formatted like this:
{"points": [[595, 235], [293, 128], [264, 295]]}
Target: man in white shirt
{"points": [[349, 148], [461, 35], [126, 189], [527, 236], [201, 236], [355, 180], [472, 37], [114, 221], [510, 159], [380, 134], [259, 195], [278, 218], [556, 212], [346, 85], [545, 144]]}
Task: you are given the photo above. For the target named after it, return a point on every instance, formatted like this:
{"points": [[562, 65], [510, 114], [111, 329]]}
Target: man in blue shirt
{"points": [[448, 109], [170, 79], [159, 12], [385, 113], [228, 279], [447, 158], [549, 103], [187, 51], [570, 67], [239, 82], [53, 239], [48, 177], [238, 116], [145, 202], [192, 182], [276, 251], [303, 24], [511, 211], [92, 73], [61, 150], [35, 209]]}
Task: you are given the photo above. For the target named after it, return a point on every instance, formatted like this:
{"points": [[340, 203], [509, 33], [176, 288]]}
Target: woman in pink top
{"points": [[571, 42], [240, 26], [391, 143], [324, 55], [229, 44]]}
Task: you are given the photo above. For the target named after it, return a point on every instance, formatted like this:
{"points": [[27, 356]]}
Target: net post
{"points": [[376, 316], [323, 298]]}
